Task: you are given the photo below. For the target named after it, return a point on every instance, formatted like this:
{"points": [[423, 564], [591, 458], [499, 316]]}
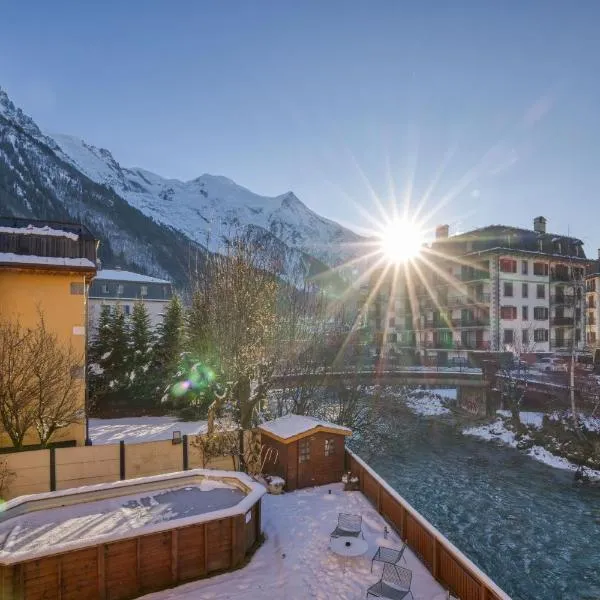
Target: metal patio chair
{"points": [[389, 556], [348, 525], [393, 585]]}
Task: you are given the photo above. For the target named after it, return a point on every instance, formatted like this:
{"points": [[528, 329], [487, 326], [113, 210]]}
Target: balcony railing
{"points": [[563, 299], [565, 276], [479, 322], [77, 241], [562, 321], [474, 275]]}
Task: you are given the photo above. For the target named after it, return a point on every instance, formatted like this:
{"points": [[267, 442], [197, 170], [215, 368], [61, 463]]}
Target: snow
{"points": [[532, 419], [427, 406], [119, 275], [134, 430], [115, 516], [499, 432], [46, 230], [27, 259], [291, 425], [295, 562], [80, 522], [211, 207]]}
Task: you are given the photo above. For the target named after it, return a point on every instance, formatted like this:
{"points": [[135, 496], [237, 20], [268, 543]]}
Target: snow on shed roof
{"points": [[290, 426], [119, 275]]}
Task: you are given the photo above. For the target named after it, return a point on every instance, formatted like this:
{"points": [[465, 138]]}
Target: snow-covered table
{"points": [[348, 547]]}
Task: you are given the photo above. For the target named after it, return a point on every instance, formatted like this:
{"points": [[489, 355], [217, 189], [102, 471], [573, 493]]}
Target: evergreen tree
{"points": [[98, 355], [140, 356], [169, 346]]}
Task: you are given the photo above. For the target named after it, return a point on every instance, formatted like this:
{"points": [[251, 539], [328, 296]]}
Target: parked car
{"points": [[550, 365], [517, 365]]}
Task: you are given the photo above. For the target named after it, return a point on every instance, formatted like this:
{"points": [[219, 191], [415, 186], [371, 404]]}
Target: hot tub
{"points": [[122, 540]]}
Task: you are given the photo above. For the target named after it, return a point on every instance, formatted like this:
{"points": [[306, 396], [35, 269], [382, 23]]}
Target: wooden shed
{"points": [[304, 451]]}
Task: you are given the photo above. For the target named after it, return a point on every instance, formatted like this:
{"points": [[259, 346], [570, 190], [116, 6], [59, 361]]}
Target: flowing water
{"points": [[527, 525]]}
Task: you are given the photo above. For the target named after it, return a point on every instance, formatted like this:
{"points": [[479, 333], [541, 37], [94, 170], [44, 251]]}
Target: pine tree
{"points": [[169, 346], [141, 338], [99, 353]]}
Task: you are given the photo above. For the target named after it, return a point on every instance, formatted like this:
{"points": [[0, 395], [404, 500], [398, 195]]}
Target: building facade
{"points": [[45, 269], [496, 288], [114, 287], [592, 305]]}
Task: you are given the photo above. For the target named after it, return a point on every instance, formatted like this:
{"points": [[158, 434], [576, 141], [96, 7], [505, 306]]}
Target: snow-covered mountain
{"points": [[211, 209], [147, 222]]}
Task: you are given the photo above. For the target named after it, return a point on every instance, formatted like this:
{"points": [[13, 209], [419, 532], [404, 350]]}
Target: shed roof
{"points": [[291, 427]]}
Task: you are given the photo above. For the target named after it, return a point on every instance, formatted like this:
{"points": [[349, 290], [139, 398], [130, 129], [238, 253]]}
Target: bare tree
{"points": [[16, 385], [40, 382], [57, 375]]}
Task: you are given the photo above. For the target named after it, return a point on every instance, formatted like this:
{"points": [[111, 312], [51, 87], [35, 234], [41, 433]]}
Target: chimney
{"points": [[539, 224], [442, 231]]}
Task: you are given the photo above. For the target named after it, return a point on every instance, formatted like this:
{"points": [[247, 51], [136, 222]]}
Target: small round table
{"points": [[348, 547]]}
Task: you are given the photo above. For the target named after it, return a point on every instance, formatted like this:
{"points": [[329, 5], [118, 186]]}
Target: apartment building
{"points": [[592, 304], [118, 287], [494, 288], [46, 267]]}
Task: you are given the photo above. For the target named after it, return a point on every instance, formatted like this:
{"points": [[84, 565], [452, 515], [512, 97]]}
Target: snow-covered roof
{"points": [[46, 230], [57, 261], [291, 426], [119, 275]]}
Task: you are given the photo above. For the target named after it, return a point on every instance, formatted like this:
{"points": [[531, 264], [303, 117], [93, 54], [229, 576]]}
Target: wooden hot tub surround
{"points": [[146, 559]]}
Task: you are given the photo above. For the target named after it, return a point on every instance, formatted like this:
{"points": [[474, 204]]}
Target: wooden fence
{"points": [[35, 471], [445, 562]]}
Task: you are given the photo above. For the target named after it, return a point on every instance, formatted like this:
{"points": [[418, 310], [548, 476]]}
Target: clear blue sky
{"points": [[306, 95]]}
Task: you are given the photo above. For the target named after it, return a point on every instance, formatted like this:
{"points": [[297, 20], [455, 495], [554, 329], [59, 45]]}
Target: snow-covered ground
{"points": [[112, 516], [133, 430], [498, 431], [296, 562], [431, 402]]}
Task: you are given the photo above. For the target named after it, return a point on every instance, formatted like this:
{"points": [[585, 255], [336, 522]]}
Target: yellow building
{"points": [[46, 268]]}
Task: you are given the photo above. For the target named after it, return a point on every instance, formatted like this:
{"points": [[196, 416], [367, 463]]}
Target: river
{"points": [[525, 524]]}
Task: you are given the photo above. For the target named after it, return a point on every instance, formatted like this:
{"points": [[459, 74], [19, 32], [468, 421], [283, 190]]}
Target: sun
{"points": [[401, 241]]}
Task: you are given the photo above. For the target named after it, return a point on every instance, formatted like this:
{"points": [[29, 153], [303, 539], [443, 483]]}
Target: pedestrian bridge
{"points": [[433, 376]]}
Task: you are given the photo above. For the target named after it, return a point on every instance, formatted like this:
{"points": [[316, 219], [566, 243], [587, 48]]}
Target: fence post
{"points": [[122, 459], [186, 461], [52, 469]]}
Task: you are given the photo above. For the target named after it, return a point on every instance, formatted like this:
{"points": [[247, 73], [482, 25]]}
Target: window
{"points": [[524, 267], [509, 336], [577, 335], [508, 312], [540, 268], [127, 309], [524, 290], [304, 450], [525, 336], [330, 447], [525, 313], [392, 322], [144, 290], [541, 290], [77, 288], [120, 289], [540, 313], [540, 335], [392, 337], [508, 265], [105, 289], [508, 289], [591, 337]]}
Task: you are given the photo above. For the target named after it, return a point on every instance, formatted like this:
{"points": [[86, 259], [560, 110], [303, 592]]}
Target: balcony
{"points": [[474, 275], [469, 300], [56, 244], [473, 345], [478, 322], [562, 321], [565, 275], [563, 300]]}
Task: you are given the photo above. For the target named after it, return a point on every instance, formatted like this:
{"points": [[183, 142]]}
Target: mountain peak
{"points": [[11, 113]]}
